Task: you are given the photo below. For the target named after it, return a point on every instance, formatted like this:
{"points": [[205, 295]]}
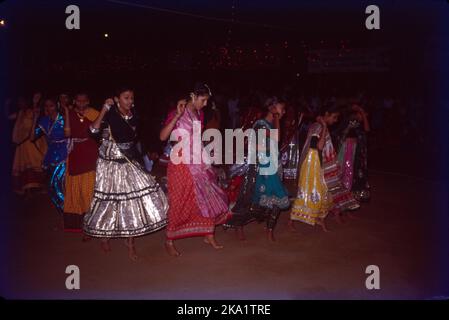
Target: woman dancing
{"points": [[311, 204], [197, 203], [27, 173], [353, 152], [52, 126], [262, 196], [81, 162]]}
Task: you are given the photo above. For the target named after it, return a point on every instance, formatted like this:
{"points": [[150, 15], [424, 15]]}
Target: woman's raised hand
{"points": [[108, 104], [180, 108]]}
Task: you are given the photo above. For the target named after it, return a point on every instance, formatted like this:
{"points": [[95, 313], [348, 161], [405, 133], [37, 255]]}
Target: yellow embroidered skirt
{"points": [[313, 200]]}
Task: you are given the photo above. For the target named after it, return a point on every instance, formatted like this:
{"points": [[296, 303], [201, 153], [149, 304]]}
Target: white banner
{"points": [[353, 60]]}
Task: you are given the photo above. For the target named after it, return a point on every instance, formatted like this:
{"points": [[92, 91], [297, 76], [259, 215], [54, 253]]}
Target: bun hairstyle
{"points": [[202, 89]]}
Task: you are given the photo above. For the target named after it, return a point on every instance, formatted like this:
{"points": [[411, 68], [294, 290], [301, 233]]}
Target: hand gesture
{"points": [[108, 103], [321, 121], [358, 108]]}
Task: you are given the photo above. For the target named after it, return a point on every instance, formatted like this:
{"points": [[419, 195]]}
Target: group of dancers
{"points": [[98, 181]]}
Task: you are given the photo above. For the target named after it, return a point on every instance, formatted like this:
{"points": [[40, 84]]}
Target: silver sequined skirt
{"points": [[127, 200]]}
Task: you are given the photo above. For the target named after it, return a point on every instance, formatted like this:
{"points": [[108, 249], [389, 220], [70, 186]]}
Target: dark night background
{"points": [[153, 49], [160, 52]]}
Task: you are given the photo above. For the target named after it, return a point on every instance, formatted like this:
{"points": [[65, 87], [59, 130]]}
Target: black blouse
{"points": [[122, 130]]}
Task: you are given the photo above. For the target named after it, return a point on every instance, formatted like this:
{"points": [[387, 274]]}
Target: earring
{"points": [[132, 106]]}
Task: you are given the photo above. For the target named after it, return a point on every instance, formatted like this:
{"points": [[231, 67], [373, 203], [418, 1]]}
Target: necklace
{"points": [[126, 117]]}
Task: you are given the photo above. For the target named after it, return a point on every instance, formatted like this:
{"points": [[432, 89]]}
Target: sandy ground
{"points": [[395, 231]]}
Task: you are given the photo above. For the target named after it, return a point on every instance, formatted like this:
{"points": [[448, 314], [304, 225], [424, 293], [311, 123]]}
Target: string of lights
{"points": [[283, 55], [231, 20]]}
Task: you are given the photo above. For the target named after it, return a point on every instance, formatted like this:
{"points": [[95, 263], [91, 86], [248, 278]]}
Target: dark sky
{"points": [[35, 37], [41, 24], [36, 34], [303, 19]]}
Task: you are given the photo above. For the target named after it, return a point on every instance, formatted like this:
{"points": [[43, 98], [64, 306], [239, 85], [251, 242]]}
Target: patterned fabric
{"points": [[127, 201], [27, 170], [56, 140], [346, 158], [54, 160], [341, 197], [313, 199], [184, 215], [245, 211], [260, 196], [210, 198], [269, 191], [290, 149], [197, 203], [359, 185]]}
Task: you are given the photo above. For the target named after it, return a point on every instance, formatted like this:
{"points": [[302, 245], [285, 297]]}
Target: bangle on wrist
{"points": [[93, 130]]}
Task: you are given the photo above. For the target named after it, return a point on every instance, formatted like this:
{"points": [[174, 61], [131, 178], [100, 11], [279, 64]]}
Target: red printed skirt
{"points": [[184, 216]]}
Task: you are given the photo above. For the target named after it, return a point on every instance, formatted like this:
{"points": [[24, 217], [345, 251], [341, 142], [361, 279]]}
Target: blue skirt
{"points": [[270, 192]]}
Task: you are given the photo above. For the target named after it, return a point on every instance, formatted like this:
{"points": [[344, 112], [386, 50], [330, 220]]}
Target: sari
{"points": [[197, 203]]}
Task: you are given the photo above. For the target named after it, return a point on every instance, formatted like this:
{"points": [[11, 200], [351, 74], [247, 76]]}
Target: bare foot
{"points": [[270, 235], [291, 226], [240, 233], [323, 225], [171, 250], [105, 245], [210, 239], [129, 242]]}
